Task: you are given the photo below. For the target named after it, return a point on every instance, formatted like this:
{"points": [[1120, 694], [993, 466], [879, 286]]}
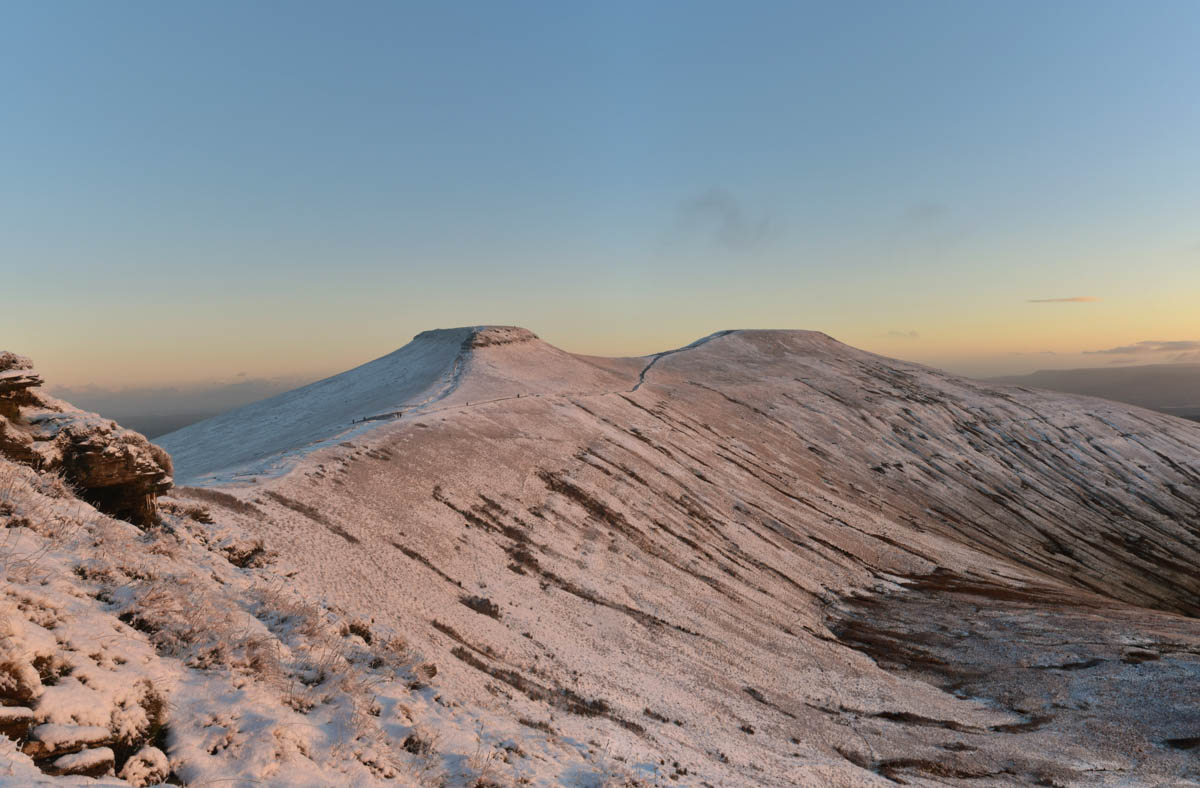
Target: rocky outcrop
{"points": [[498, 335], [16, 373], [16, 377], [116, 470]]}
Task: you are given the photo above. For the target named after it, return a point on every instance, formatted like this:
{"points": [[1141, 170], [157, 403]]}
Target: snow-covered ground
{"points": [[763, 559], [181, 649]]}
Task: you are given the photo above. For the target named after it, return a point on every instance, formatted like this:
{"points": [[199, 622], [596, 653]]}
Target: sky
{"points": [[196, 193]]}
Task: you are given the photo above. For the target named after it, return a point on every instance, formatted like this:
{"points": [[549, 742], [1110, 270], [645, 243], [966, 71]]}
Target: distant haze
{"points": [[1169, 388], [155, 411]]}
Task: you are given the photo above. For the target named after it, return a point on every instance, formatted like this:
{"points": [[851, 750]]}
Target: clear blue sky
{"points": [[193, 190]]}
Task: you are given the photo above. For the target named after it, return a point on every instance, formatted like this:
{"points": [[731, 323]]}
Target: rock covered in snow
{"points": [[16, 374], [51, 740], [117, 470], [16, 722], [96, 762], [147, 766]]}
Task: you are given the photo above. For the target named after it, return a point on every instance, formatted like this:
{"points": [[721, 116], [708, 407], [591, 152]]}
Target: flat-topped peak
{"points": [[776, 340], [794, 333]]}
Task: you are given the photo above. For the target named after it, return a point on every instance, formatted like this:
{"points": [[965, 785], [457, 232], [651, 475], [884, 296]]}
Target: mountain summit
{"points": [[429, 372], [437, 369]]}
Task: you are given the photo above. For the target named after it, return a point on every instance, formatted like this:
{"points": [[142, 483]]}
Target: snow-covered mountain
{"points": [[763, 559], [438, 369]]}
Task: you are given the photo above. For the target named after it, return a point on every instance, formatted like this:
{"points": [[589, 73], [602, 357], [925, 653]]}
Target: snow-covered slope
{"points": [[763, 559], [769, 558], [266, 437], [262, 436]]}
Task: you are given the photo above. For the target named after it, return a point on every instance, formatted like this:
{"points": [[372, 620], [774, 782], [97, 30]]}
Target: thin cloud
{"points": [[904, 334], [720, 216], [926, 211], [1184, 347], [1071, 300]]}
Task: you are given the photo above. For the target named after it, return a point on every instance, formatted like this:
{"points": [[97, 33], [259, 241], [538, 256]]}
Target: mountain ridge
{"points": [[482, 366], [768, 519], [763, 559], [412, 378]]}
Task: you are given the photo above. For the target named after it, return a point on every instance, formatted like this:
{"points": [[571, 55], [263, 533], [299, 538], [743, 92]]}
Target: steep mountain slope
{"points": [[766, 558]]}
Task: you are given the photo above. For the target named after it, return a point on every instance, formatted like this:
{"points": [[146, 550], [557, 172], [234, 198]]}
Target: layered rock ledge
{"points": [[487, 336], [116, 470]]}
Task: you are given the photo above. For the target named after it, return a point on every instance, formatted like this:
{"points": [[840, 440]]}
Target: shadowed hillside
{"points": [[1170, 388]]}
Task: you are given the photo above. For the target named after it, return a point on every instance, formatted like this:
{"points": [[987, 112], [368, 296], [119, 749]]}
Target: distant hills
{"points": [[1168, 388]]}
